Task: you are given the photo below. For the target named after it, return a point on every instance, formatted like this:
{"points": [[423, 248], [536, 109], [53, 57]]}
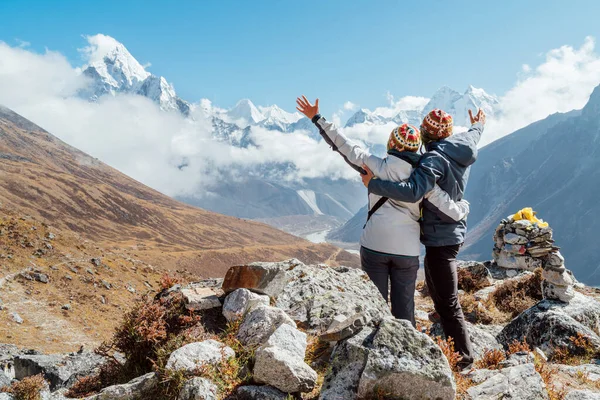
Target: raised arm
{"points": [[352, 152]]}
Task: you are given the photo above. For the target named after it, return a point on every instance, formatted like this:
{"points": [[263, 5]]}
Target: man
{"points": [[446, 163]]}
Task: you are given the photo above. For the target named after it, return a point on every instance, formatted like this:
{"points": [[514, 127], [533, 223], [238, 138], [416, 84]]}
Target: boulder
{"points": [[59, 370], [556, 292], [591, 371], [134, 389], [198, 389], [519, 358], [260, 393], [507, 260], [346, 366], [241, 301], [405, 364], [557, 278], [199, 298], [260, 323], [519, 382], [280, 362], [342, 330], [6, 396], [261, 277], [315, 295], [582, 395], [552, 323], [194, 355], [4, 380]]}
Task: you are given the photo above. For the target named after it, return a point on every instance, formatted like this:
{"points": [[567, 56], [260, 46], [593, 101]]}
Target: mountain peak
{"points": [[113, 62], [592, 108], [247, 111]]}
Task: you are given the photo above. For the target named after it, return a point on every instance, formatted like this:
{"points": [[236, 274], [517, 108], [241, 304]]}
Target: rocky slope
{"points": [[66, 188], [269, 330]]}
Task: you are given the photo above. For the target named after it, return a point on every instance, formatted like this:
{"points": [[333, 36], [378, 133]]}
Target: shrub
{"points": [[517, 295], [29, 388], [462, 381], [579, 351], [516, 347], [491, 359], [469, 282]]}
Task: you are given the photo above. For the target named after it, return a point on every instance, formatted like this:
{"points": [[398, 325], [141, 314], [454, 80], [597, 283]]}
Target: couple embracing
{"points": [[414, 196]]}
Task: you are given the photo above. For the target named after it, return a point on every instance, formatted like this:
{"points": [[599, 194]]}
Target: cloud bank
{"points": [[179, 156]]}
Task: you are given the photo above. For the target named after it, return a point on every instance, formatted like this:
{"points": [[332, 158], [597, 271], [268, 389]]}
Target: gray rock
{"points": [[198, 389], [66, 307], [4, 380], [582, 395], [338, 320], [347, 364], [262, 277], [260, 393], [288, 338], [519, 382], [512, 238], [260, 323], [315, 295], [343, 330], [96, 261], [551, 323], [406, 364], [200, 298], [557, 278], [39, 277], [507, 260], [280, 362], [59, 370], [6, 396], [556, 292], [519, 358], [134, 389], [241, 301], [591, 371], [194, 355], [555, 259], [16, 317], [273, 366]]}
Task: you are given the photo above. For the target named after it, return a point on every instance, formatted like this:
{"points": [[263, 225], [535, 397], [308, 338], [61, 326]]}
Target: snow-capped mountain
{"points": [[245, 112], [445, 98], [458, 105], [117, 71]]}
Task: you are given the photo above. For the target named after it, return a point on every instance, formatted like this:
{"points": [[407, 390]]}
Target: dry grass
{"points": [[580, 351], [463, 383], [518, 347], [469, 282], [317, 356], [517, 295], [491, 359], [29, 388], [548, 373]]}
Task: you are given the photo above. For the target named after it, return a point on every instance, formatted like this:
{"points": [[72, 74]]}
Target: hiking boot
{"points": [[434, 317]]}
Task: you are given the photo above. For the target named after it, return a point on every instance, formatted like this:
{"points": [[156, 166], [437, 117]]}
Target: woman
{"points": [[390, 240]]}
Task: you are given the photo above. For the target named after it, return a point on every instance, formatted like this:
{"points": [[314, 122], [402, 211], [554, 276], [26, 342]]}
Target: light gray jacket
{"points": [[394, 227]]}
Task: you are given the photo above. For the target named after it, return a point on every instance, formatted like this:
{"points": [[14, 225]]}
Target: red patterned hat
{"points": [[436, 125], [404, 137]]}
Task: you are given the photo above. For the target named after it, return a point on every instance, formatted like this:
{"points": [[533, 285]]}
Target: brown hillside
{"points": [[44, 177]]}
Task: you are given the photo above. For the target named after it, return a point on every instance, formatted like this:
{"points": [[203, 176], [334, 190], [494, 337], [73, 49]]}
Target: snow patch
{"points": [[310, 198]]}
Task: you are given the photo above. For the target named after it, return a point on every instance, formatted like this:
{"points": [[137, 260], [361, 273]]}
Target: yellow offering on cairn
{"points": [[528, 214]]}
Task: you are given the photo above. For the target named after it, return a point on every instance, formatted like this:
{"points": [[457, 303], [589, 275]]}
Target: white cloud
{"points": [[404, 103], [98, 46], [526, 68], [132, 134], [350, 106], [22, 43], [563, 82]]}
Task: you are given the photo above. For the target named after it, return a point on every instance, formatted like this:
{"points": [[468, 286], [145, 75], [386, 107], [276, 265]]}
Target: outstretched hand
{"points": [[366, 178], [306, 108], [480, 117]]}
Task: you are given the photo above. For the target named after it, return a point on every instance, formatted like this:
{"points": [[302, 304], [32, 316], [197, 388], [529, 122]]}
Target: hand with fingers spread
{"points": [[480, 117], [306, 108]]}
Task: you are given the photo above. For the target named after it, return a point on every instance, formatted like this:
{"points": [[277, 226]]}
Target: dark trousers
{"points": [[401, 271], [442, 282]]}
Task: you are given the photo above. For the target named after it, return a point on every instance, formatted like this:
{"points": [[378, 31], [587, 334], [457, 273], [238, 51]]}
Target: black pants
{"points": [[442, 282], [401, 271]]}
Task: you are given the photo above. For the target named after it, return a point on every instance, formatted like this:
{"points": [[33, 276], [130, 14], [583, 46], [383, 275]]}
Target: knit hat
{"points": [[437, 125], [404, 137]]}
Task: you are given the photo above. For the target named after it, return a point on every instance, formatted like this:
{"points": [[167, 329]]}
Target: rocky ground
{"points": [[289, 330]]}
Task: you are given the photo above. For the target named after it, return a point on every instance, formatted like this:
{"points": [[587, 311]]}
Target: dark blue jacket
{"points": [[446, 163]]}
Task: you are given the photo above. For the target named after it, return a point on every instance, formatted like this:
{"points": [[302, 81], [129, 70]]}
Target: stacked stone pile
{"points": [[527, 244]]}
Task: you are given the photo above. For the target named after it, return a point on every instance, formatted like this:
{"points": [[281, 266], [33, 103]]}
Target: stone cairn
{"points": [[524, 242]]}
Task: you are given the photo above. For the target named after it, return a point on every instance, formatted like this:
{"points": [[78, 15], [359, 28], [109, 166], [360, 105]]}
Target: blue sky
{"points": [[270, 51]]}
